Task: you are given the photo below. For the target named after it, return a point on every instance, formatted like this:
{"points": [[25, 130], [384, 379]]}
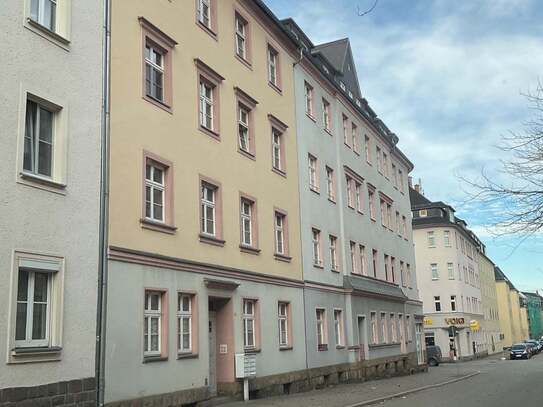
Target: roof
{"points": [[370, 285], [500, 276]]}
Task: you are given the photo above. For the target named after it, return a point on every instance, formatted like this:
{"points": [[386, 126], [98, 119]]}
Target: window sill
{"points": [[251, 351], [335, 270], [384, 345], [332, 200], [356, 152], [158, 226], [282, 257], [249, 249], [322, 348], [212, 240], [315, 190], [153, 359], [329, 131], [247, 154], [211, 133], [33, 179], [318, 266], [244, 61], [311, 117], [275, 87], [187, 356], [279, 172], [340, 346], [35, 355], [208, 30], [22, 352], [50, 35], [158, 103], [373, 220], [350, 207], [283, 348]]}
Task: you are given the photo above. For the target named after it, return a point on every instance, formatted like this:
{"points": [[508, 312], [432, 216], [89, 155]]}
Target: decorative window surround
{"points": [[281, 231], [37, 20], [168, 224], [242, 38], [206, 17], [309, 101], [247, 104], [216, 237], [187, 310], [278, 129], [153, 311], [331, 184], [317, 247], [313, 169], [248, 219], [322, 329], [210, 79], [152, 36], [274, 67], [284, 315], [339, 328], [251, 324]]}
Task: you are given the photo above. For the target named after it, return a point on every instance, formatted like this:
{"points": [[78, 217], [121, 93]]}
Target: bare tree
{"points": [[363, 13], [521, 194]]}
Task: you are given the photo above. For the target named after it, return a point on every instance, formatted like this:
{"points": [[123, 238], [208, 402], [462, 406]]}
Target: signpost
{"points": [[245, 369]]}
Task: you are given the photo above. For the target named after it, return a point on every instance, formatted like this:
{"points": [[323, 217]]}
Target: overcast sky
{"points": [[446, 77]]}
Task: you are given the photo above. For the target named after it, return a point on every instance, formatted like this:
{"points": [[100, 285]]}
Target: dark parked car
{"points": [[520, 351], [534, 345], [434, 355]]}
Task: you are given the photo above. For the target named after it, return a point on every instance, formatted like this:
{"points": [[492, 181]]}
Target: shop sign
{"points": [[455, 321], [428, 321]]}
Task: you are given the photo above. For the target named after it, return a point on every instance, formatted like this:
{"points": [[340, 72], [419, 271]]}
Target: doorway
{"points": [[213, 352], [221, 343]]}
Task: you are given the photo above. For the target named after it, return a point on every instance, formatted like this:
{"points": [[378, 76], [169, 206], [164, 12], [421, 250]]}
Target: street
{"points": [[499, 383]]}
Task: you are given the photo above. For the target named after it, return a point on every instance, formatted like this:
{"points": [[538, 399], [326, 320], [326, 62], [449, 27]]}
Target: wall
{"points": [[506, 313], [490, 324], [53, 220]]}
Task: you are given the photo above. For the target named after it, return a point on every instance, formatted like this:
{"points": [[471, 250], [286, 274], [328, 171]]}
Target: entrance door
{"points": [[418, 342], [362, 338], [212, 352]]}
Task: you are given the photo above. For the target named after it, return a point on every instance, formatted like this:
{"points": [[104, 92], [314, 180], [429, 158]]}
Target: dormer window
{"points": [[325, 69], [342, 85], [423, 213], [350, 94], [358, 103]]}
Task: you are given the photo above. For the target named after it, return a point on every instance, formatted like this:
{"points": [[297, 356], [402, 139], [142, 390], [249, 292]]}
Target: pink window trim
{"points": [[169, 222], [213, 31], [164, 325], [356, 138], [254, 248], [316, 187], [324, 328], [290, 343], [330, 118], [194, 325], [345, 130], [248, 40], [207, 74], [249, 103], [216, 240], [386, 198], [341, 328], [278, 86], [286, 256], [281, 127], [321, 256], [256, 300], [334, 190], [166, 44], [337, 269]]}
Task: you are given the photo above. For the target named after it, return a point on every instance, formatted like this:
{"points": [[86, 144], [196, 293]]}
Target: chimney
{"points": [[418, 187], [410, 182]]}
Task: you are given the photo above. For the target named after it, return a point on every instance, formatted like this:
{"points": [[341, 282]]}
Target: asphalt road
{"points": [[502, 383]]}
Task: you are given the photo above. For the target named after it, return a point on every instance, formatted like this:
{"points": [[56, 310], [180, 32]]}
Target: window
{"points": [[38, 140], [152, 335], [400, 180], [350, 199], [316, 242], [423, 213], [281, 243], [402, 274], [404, 227], [431, 239], [371, 202], [209, 209], [273, 67], [394, 176], [453, 303], [241, 37], [398, 224], [384, 328], [308, 99], [333, 253], [354, 135], [154, 192], [345, 121], [206, 13], [375, 262], [330, 184], [154, 72], [278, 159], [283, 320], [243, 129], [409, 277], [367, 151], [379, 162], [386, 263], [385, 164], [384, 216], [393, 328], [206, 105], [437, 303], [408, 328], [450, 270], [389, 216], [249, 335], [358, 197], [435, 272], [326, 115], [208, 99], [322, 340], [185, 331], [363, 260], [393, 269], [44, 12], [33, 308], [338, 327], [354, 265], [313, 173], [447, 238], [374, 334], [248, 222]]}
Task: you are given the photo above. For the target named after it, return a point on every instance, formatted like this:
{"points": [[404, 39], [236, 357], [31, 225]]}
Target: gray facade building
{"points": [[361, 298]]}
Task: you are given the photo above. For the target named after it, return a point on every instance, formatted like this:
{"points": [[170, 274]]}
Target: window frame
{"points": [[253, 245], [278, 128], [330, 184], [286, 319], [161, 314], [215, 238], [284, 229], [212, 27], [326, 115], [309, 98], [206, 76], [437, 303], [313, 171], [316, 244], [255, 318], [321, 331], [273, 60], [338, 328], [246, 36], [247, 104], [334, 257], [434, 270], [192, 314]]}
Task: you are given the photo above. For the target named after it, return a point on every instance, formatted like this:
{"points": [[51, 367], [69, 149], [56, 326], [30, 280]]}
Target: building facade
{"points": [[535, 306], [509, 310], [489, 299], [51, 115], [361, 298], [447, 257], [204, 244]]}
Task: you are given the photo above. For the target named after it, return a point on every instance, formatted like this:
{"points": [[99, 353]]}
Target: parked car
{"points": [[536, 347], [520, 351], [433, 354]]}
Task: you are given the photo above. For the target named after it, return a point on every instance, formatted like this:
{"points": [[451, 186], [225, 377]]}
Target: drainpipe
{"points": [[100, 358]]}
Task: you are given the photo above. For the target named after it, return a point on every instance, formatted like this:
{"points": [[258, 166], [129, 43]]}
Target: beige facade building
{"points": [[489, 298]]}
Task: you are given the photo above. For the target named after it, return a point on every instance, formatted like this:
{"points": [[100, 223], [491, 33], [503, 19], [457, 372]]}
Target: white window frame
{"points": [[334, 264], [244, 136], [207, 108], [431, 239], [374, 328], [338, 323], [349, 184], [447, 238], [393, 329], [330, 184], [272, 66], [320, 316], [282, 317], [450, 270], [326, 114], [276, 149], [358, 196], [241, 37], [246, 217], [40, 16], [184, 315], [249, 318], [384, 327], [205, 13], [279, 224], [208, 204], [316, 242], [148, 316], [437, 302], [308, 99], [150, 61], [354, 265], [363, 260], [454, 308], [434, 271], [152, 186], [35, 140], [313, 172]]}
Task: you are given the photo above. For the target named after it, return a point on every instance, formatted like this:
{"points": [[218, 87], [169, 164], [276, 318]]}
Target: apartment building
{"points": [[447, 256], [50, 174], [489, 299], [361, 298], [204, 244], [535, 304]]}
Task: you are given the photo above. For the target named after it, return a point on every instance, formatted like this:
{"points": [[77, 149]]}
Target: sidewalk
{"points": [[344, 395]]}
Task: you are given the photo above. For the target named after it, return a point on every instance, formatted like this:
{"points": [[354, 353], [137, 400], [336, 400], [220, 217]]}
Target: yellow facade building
{"points": [[510, 315], [491, 323]]}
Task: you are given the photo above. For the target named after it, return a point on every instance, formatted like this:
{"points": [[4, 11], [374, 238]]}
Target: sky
{"points": [[447, 77]]}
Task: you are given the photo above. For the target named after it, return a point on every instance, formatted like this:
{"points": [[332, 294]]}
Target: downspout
{"points": [[100, 358]]}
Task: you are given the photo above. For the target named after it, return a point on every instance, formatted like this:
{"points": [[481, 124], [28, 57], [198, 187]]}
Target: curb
{"points": [[416, 390]]}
